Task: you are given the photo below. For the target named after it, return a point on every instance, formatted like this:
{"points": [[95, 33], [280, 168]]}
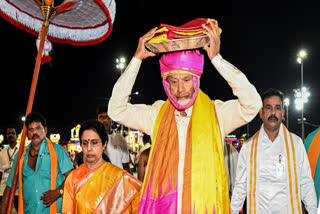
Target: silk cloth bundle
{"points": [[185, 37], [190, 29]]}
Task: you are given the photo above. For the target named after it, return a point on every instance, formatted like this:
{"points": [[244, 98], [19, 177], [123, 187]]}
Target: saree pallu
{"points": [[107, 189], [205, 188]]}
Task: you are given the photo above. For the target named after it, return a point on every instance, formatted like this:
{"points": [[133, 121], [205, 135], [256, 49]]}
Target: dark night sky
{"points": [[260, 38]]}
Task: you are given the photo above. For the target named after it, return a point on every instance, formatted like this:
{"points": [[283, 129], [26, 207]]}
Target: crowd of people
{"points": [[187, 166]]}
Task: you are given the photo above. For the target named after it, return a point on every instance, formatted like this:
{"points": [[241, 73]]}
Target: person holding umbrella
{"points": [[43, 168]]}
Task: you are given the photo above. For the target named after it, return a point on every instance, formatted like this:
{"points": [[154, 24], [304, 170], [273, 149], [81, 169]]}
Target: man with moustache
{"points": [[6, 160], [43, 168], [273, 170], [186, 171]]}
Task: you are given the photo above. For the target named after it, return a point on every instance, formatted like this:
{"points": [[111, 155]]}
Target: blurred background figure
{"points": [[143, 157], [235, 145], [242, 140], [71, 155], [117, 148], [79, 158], [6, 161], [230, 160]]}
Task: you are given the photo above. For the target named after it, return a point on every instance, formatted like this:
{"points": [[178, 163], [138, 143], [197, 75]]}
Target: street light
{"points": [[301, 99], [121, 64], [301, 55], [287, 103], [135, 93]]}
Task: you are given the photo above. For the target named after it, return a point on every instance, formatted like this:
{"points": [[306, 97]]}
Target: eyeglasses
{"points": [[94, 142]]}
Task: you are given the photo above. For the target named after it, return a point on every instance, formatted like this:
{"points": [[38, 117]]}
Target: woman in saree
{"points": [[97, 186]]}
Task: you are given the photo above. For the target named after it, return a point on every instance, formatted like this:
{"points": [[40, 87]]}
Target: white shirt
{"points": [[117, 150], [231, 114], [6, 155], [272, 180]]}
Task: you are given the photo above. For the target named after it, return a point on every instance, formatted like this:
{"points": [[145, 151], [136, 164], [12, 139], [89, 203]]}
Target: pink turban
{"points": [[182, 62]]}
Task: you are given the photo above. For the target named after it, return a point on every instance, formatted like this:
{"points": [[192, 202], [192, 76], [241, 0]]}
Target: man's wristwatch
{"points": [[61, 191]]}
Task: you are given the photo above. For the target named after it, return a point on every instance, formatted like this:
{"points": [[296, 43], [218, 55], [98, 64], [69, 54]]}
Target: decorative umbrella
{"points": [[76, 22]]}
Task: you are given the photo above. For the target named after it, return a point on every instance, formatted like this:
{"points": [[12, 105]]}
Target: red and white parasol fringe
{"points": [[88, 22]]}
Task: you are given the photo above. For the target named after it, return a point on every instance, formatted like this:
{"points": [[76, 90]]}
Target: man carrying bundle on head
{"points": [[186, 171]]}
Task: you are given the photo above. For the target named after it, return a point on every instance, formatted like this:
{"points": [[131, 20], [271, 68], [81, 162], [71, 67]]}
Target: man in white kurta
{"points": [[281, 178], [231, 114]]}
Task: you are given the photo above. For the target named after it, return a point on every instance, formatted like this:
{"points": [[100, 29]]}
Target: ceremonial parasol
{"points": [[76, 22]]}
